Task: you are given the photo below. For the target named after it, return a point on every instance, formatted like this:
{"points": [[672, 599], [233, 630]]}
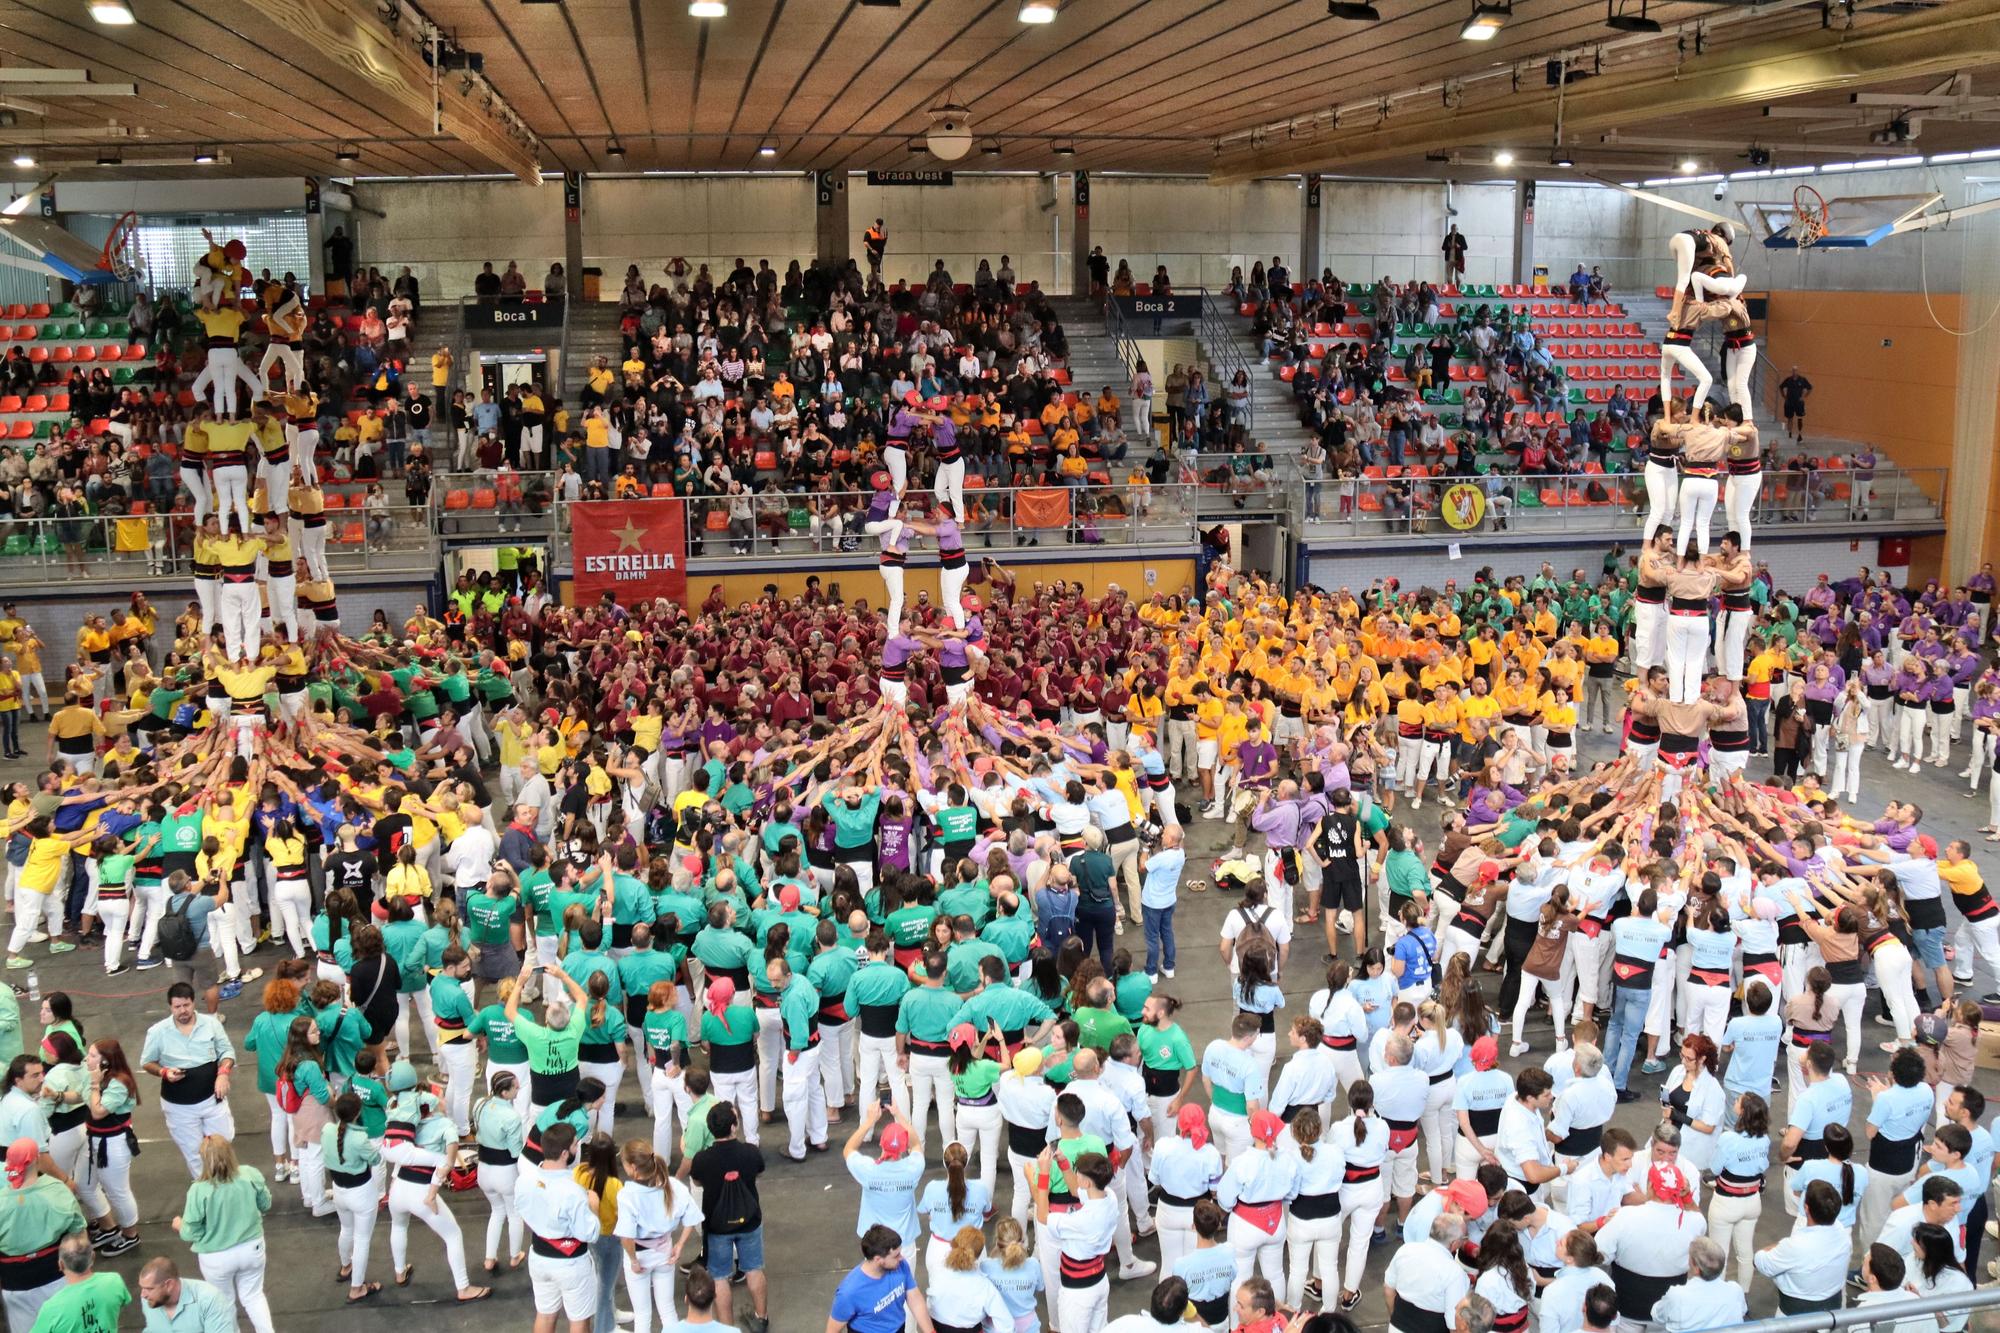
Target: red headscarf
{"points": [[1193, 1125]]}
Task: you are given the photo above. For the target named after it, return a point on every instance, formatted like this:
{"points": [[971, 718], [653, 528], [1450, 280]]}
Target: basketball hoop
{"points": [[1809, 216], [117, 259]]}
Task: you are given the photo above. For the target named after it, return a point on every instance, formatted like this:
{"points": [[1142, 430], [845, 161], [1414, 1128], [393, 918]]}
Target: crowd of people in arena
{"points": [[606, 913]]}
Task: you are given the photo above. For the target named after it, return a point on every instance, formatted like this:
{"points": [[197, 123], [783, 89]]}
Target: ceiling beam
{"points": [[1931, 42], [357, 41]]}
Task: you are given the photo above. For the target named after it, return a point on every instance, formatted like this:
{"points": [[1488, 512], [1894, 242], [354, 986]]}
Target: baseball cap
{"points": [[788, 898], [965, 1035], [895, 1142], [1028, 1061]]}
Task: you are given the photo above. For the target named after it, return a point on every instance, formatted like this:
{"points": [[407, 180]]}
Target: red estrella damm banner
{"points": [[632, 549]]}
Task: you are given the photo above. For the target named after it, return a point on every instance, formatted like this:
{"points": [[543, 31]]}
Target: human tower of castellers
{"points": [[914, 912]]}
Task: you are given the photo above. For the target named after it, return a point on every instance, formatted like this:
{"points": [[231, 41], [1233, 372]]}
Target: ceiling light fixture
{"points": [[614, 149], [1619, 22], [1063, 148], [24, 159], [767, 150], [1561, 158], [1038, 11], [112, 13], [881, 4], [991, 148], [347, 152], [1689, 166], [1486, 20], [204, 157], [1503, 158], [708, 9], [1353, 10], [107, 158]]}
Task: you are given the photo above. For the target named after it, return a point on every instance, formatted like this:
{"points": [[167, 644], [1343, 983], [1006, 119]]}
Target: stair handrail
{"points": [[1121, 337], [1218, 338]]}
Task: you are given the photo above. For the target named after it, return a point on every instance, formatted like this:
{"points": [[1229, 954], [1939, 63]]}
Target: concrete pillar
{"points": [[573, 232], [833, 242], [1524, 231], [1309, 261], [315, 276], [1079, 244]]}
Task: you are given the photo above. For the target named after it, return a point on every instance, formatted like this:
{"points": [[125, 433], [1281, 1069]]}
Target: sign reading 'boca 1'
{"points": [[632, 549]]}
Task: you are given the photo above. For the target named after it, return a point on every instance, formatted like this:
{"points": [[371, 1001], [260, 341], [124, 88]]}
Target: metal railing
{"points": [[1921, 1309], [1609, 503], [1216, 335], [36, 551], [999, 518], [1627, 274]]}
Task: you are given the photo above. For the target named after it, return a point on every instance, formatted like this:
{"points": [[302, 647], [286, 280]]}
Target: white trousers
{"points": [[1082, 1309], [1311, 1243], [406, 1200], [224, 371], [1360, 1205], [1894, 977], [1687, 651], [240, 614], [232, 493], [24, 1307], [979, 1131], [1256, 1249], [238, 1272], [196, 480], [108, 1188], [461, 1061], [741, 1089], [188, 1125], [1735, 639], [1708, 1010], [651, 1290], [805, 1100], [877, 1061], [356, 1207], [1660, 490], [291, 358], [1732, 1224], [497, 1184], [1697, 506], [930, 1080], [1649, 634], [1739, 502], [1910, 722], [950, 489]]}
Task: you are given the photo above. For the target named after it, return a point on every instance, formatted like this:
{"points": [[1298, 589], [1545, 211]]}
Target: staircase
{"points": [[1274, 414], [1094, 359], [591, 332]]}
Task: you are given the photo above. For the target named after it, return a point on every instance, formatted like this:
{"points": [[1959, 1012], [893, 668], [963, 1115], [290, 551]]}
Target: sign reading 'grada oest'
{"points": [[632, 549]]}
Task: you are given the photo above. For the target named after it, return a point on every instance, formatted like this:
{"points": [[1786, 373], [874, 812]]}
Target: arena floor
{"points": [[809, 1208]]}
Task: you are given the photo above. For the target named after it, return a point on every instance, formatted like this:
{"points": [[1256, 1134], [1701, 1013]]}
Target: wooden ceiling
{"points": [[1133, 85]]}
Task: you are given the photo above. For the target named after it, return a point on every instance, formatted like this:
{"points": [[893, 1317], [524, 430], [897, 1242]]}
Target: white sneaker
{"points": [[1167, 972], [1518, 1049], [1345, 922], [1417, 804], [1132, 1272]]}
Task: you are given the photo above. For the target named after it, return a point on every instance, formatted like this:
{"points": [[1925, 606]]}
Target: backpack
{"points": [[177, 940], [1254, 929], [289, 1099], [1057, 917]]}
